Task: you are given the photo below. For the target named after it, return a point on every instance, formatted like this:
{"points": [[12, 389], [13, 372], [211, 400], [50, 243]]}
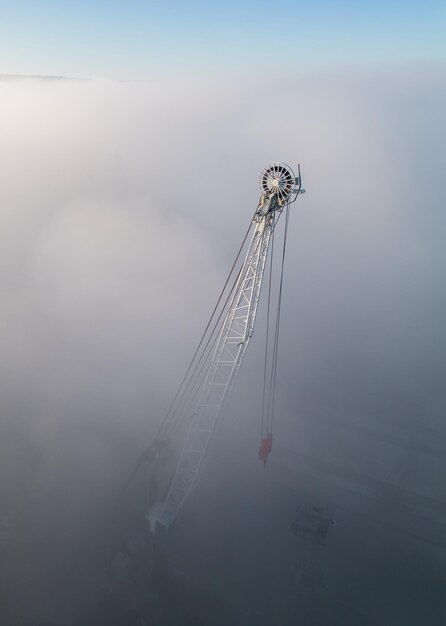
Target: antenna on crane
{"points": [[212, 373]]}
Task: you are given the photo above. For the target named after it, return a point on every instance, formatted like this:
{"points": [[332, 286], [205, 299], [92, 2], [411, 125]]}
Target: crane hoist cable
{"points": [[188, 391], [269, 387], [265, 395], [194, 387], [169, 422], [177, 398], [279, 307], [189, 387], [265, 366]]}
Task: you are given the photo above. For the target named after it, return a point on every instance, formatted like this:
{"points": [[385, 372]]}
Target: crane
{"points": [[234, 328]]}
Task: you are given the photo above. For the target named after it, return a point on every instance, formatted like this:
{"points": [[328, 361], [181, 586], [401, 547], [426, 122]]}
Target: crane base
{"points": [[160, 516]]}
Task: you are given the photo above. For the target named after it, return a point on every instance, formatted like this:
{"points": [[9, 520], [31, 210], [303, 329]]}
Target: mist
{"points": [[122, 206]]}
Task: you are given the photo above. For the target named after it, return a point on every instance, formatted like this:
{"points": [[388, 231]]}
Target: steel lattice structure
{"points": [[233, 339]]}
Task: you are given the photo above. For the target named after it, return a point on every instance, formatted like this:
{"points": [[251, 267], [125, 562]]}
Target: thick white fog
{"points": [[122, 206]]}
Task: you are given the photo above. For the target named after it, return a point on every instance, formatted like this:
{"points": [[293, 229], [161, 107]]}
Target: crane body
{"points": [[278, 184]]}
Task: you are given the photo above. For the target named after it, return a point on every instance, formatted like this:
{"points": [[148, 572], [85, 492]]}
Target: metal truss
{"points": [[228, 354]]}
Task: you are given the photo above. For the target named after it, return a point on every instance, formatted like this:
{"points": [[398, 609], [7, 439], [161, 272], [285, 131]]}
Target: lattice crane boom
{"points": [[278, 185]]}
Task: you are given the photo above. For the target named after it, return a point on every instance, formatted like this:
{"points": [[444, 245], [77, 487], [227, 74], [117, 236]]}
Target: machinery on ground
{"points": [[310, 526]]}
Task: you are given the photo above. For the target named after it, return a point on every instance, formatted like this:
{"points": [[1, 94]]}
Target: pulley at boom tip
{"points": [[279, 186]]}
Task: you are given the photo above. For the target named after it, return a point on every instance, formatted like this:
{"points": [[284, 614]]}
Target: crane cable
{"points": [[194, 387], [269, 389], [190, 390], [279, 306], [173, 409], [183, 386], [265, 367]]}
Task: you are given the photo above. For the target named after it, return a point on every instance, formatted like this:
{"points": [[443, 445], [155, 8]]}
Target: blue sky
{"points": [[134, 38]]}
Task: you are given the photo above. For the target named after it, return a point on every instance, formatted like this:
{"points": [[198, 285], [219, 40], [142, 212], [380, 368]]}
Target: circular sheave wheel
{"points": [[278, 178]]}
